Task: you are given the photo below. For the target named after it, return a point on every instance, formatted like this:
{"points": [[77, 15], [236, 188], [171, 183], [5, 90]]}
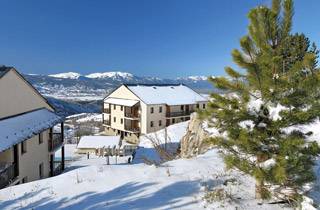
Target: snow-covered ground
{"points": [[177, 184], [174, 135], [138, 186]]}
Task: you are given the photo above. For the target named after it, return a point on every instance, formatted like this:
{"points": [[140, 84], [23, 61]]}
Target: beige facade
{"points": [[33, 158], [149, 117]]}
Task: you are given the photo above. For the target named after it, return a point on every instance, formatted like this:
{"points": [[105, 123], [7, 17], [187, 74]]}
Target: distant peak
{"points": [[111, 74], [67, 75], [194, 78]]}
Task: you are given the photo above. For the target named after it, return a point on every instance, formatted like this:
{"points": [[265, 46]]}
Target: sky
{"points": [[163, 38]]}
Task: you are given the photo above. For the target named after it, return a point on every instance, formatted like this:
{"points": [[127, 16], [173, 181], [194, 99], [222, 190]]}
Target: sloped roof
{"points": [[95, 142], [166, 94], [16, 129], [6, 69], [123, 102]]}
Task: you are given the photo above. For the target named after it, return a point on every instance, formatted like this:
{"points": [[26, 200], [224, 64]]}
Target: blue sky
{"points": [[164, 38]]}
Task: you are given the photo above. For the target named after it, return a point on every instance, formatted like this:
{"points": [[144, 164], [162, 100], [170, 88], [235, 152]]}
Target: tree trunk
{"points": [[259, 188]]}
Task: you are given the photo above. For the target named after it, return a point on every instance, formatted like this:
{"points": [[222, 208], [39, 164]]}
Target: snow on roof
{"points": [[98, 142], [166, 94], [118, 101], [18, 128]]}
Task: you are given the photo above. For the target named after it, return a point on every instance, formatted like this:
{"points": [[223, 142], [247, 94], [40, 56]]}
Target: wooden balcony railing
{"points": [[7, 175], [178, 114], [55, 142]]}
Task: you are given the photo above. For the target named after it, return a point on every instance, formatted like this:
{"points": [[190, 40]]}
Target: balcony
{"points": [[7, 175], [55, 142], [178, 114], [131, 115], [107, 122], [132, 129], [106, 110]]}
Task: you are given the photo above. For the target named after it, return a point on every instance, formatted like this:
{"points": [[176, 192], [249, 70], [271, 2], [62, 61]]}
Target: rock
{"points": [[193, 143]]}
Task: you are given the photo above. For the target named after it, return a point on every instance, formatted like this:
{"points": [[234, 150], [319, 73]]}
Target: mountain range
{"points": [[95, 86]]}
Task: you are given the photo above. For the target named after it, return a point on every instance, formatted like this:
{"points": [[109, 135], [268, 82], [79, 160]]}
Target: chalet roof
{"points": [[18, 128], [171, 94], [123, 102], [95, 142]]}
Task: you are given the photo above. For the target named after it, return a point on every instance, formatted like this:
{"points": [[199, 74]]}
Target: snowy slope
{"points": [[172, 186], [178, 184]]}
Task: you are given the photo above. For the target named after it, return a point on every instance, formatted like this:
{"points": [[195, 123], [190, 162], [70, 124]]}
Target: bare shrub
{"points": [[216, 195], [164, 147]]}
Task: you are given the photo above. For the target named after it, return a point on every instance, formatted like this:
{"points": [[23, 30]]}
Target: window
{"points": [[181, 107], [173, 120], [40, 138], [125, 134], [121, 120], [160, 109], [151, 110], [114, 119], [151, 124], [160, 123], [23, 147], [41, 170], [24, 179], [114, 106], [198, 106], [181, 119], [121, 108], [203, 106]]}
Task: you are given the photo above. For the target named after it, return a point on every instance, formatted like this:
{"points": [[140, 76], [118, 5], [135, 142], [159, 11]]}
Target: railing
{"points": [[7, 175], [106, 122], [57, 168], [132, 129], [178, 114], [106, 110], [131, 115], [55, 142]]}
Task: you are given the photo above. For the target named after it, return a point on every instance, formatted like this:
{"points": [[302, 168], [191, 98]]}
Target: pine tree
{"points": [[278, 70]]}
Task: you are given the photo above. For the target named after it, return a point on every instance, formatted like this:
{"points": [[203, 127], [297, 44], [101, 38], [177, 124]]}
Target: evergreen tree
{"points": [[279, 70]]}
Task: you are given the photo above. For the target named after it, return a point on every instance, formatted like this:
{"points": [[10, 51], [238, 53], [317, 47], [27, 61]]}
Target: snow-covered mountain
{"points": [[67, 75], [95, 86], [113, 75]]}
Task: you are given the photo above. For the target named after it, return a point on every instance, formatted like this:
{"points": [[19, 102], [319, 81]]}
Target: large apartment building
{"points": [[132, 110], [28, 140]]}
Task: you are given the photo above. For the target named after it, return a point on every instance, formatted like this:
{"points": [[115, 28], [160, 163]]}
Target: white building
{"points": [[132, 110]]}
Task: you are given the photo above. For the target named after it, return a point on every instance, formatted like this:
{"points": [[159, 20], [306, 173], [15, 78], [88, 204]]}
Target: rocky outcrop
{"points": [[193, 143]]}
